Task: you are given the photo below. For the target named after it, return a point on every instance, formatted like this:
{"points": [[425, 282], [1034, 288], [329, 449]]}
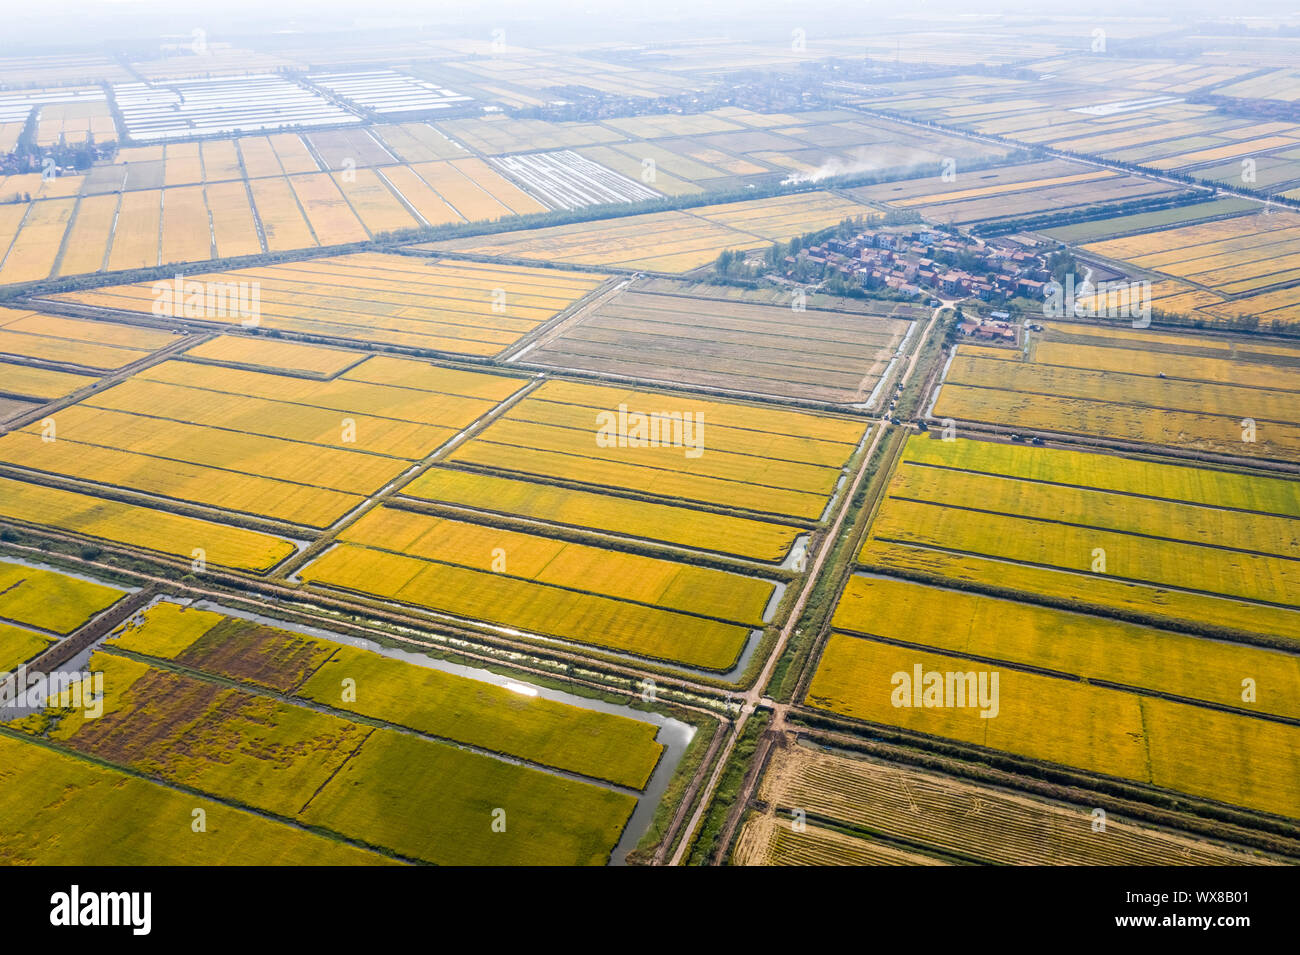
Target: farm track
{"points": [[756, 695]]}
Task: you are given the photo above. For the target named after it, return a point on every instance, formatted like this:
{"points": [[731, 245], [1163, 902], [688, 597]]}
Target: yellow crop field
{"points": [[1000, 188], [11, 218], [1176, 395], [418, 142], [1179, 609], [470, 201], [36, 249], [338, 468], [534, 608], [497, 186], [658, 241], [182, 164], [557, 433], [421, 197], [558, 563], [18, 645], [268, 354], [88, 239], [89, 344], [215, 396], [332, 219], [259, 158], [28, 382], [781, 217], [282, 218], [1093, 648], [670, 241], [1233, 256], [233, 227], [51, 601], [665, 523], [1230, 151], [150, 529], [1224, 434], [1104, 510], [371, 199], [178, 480], [1095, 729], [1130, 542], [1151, 561], [351, 393], [187, 232], [118, 815], [220, 160], [293, 153], [302, 457], [135, 239], [465, 307], [462, 709], [770, 432]]}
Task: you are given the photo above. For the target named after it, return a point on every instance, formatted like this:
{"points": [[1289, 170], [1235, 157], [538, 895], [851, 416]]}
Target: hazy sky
{"points": [[56, 23]]}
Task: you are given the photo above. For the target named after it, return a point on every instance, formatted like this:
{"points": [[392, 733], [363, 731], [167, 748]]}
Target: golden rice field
{"points": [[147, 528], [1096, 729], [18, 645], [604, 512], [1239, 259], [50, 601], [202, 206], [296, 450], [557, 563], [649, 607], [676, 241], [316, 769], [75, 812], [284, 224], [1183, 395], [1097, 649], [42, 384], [36, 248], [87, 245], [269, 354], [766, 461], [470, 308], [953, 819], [1183, 546], [449, 706], [332, 217], [90, 345]]}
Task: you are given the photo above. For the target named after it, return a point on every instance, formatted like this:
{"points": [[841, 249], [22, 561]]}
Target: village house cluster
{"points": [[916, 260]]}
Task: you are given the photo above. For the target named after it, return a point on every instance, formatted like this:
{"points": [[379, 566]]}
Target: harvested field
{"points": [[955, 819], [759, 349]]}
